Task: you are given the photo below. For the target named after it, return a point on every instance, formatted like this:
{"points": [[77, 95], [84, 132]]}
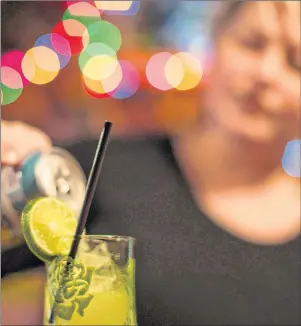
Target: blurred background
{"points": [[57, 98], [150, 82]]}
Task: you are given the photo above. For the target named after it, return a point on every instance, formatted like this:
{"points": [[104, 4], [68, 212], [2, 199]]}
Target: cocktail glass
{"points": [[97, 287]]}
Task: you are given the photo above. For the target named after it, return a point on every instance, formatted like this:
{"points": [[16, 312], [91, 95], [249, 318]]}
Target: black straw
{"points": [[90, 191], [91, 186]]}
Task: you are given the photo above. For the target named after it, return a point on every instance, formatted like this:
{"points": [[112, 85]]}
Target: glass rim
{"points": [[102, 237]]}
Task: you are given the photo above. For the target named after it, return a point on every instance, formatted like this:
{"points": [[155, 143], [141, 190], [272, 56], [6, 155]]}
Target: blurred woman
{"points": [[232, 158], [217, 220]]}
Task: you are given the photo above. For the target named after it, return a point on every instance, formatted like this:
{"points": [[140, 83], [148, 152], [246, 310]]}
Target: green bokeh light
{"points": [[9, 95], [103, 31]]}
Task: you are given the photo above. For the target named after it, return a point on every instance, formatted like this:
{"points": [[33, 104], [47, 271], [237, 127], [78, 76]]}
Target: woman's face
{"points": [[255, 80]]}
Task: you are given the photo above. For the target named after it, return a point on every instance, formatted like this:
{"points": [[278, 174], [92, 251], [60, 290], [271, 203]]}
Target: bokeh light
{"points": [[155, 73], [103, 32], [84, 12], [192, 71], [72, 31], [13, 59], [125, 8], [90, 85], [76, 19], [174, 71], [40, 65], [291, 160], [130, 81], [9, 95], [11, 78], [100, 67], [113, 5], [183, 71], [11, 85], [58, 44], [98, 61], [102, 88], [69, 3], [83, 32]]}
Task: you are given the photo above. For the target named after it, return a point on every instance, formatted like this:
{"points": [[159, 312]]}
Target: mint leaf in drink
{"points": [[83, 302], [65, 310]]}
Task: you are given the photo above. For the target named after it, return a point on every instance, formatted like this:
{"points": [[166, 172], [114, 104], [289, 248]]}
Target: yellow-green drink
{"points": [[97, 287]]}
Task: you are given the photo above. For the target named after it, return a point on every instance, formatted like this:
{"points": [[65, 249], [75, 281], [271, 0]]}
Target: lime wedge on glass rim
{"points": [[48, 225]]}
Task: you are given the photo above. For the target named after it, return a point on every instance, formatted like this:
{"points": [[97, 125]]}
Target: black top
{"points": [[189, 271]]}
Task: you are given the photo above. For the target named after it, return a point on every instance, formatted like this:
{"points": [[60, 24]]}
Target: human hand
{"points": [[18, 140]]}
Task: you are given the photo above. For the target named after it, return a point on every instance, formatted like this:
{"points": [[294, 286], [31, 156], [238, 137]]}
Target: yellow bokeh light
{"points": [[183, 71], [192, 71], [100, 67], [46, 59], [94, 85], [106, 85], [174, 71], [113, 5], [40, 65]]}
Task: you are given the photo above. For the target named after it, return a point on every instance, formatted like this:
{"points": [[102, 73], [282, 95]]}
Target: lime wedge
{"points": [[48, 225]]}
